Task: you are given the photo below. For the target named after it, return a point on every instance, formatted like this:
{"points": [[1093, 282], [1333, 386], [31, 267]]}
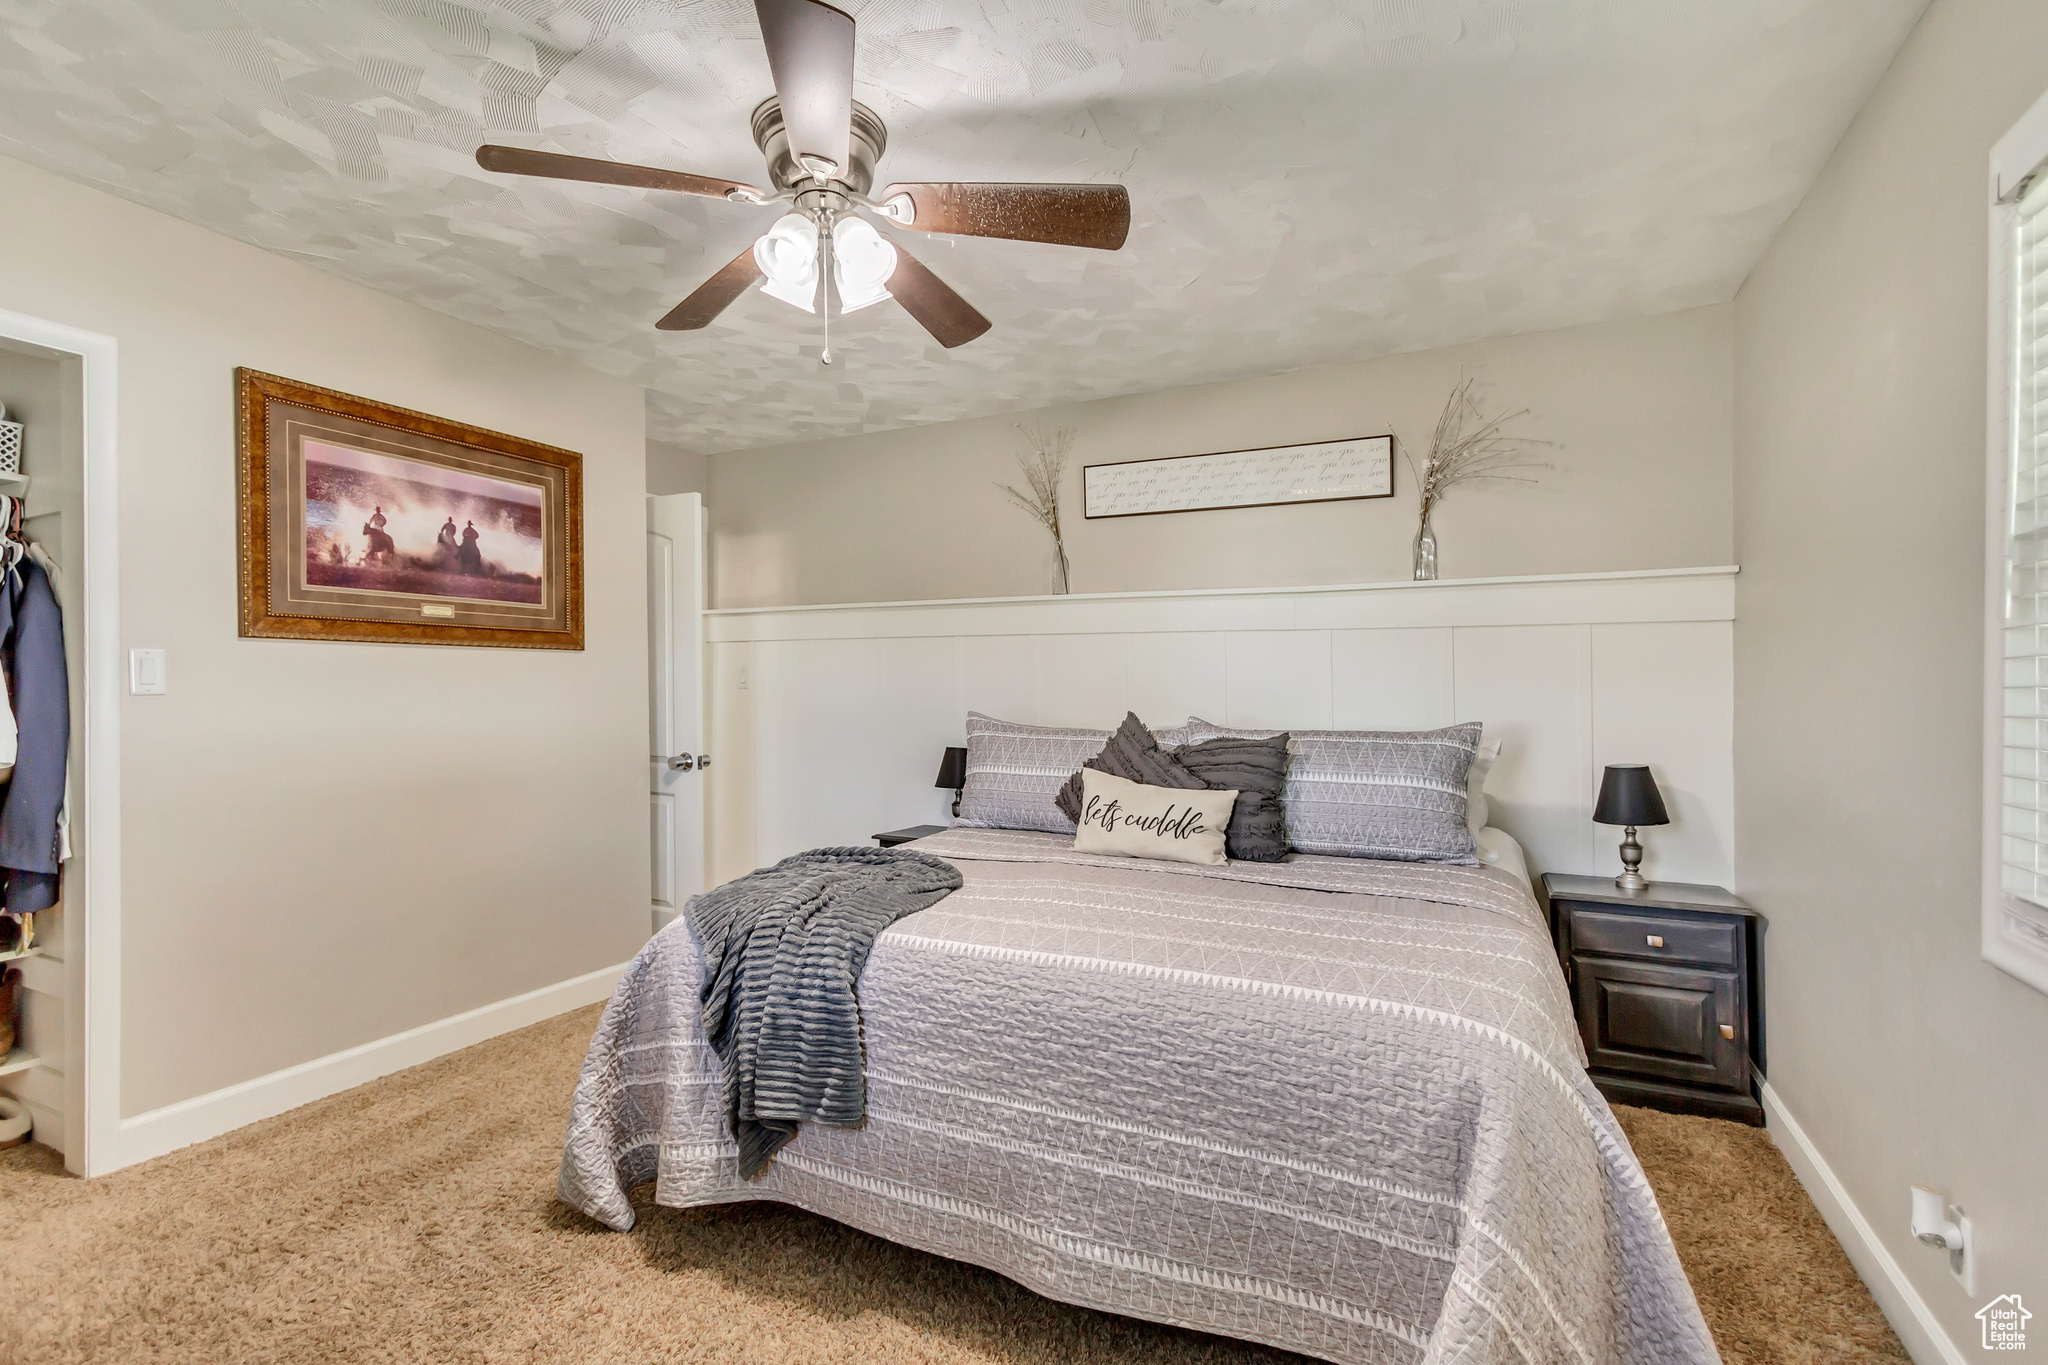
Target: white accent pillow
{"points": [[1475, 782], [1132, 820]]}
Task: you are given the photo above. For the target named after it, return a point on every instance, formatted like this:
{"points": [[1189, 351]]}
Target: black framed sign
{"points": [[1326, 471]]}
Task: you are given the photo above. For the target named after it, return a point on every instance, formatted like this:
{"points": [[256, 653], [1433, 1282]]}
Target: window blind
{"points": [[2024, 854]]}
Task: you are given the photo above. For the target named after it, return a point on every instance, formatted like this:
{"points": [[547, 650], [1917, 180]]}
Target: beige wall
{"points": [[672, 469], [1640, 413], [324, 844], [1860, 383], [31, 389]]}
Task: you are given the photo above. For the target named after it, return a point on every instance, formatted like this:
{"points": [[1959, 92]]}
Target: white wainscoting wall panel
{"points": [[827, 722]]}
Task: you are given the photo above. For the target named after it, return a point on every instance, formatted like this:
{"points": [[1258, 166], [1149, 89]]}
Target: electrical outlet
{"points": [[1962, 1262], [1944, 1227]]}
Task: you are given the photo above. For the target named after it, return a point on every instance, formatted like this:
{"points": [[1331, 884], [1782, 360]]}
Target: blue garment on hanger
{"points": [[32, 638]]}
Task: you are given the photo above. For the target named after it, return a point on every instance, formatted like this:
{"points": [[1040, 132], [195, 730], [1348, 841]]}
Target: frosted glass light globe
{"points": [[862, 262], [788, 255]]}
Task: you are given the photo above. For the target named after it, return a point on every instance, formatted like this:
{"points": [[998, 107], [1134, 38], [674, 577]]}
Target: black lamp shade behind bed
{"points": [[953, 773]]}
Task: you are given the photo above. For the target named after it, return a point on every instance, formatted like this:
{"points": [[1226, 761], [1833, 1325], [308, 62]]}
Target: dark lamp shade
{"points": [[1628, 796], [953, 770]]}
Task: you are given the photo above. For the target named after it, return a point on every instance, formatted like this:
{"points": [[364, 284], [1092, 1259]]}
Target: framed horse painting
{"points": [[362, 521]]}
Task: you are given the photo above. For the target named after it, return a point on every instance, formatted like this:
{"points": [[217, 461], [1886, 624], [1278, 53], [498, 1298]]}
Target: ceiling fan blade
{"points": [[713, 296], [1098, 216], [810, 54], [948, 317], [516, 161]]}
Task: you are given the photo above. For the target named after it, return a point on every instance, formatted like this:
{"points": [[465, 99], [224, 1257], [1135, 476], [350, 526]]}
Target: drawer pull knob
{"points": [[1728, 1031], [1656, 940]]}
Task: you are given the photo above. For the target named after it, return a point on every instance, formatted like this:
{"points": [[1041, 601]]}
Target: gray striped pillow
{"points": [[1391, 794], [1014, 771]]}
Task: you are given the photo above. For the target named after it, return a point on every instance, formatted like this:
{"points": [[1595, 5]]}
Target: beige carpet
{"points": [[414, 1219]]}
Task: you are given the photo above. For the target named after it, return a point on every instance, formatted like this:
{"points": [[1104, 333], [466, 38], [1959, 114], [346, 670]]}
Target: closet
{"points": [[43, 392]]}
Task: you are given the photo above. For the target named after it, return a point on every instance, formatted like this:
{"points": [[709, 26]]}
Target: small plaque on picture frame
{"points": [[363, 521], [1325, 471]]}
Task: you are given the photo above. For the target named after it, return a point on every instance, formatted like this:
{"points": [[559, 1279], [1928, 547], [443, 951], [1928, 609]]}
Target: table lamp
{"points": [[1629, 797], [953, 773]]}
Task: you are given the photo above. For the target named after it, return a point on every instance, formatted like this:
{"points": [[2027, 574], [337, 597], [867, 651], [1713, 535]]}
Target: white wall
{"points": [[324, 844], [1639, 412], [830, 721], [672, 469], [31, 389], [1860, 447]]}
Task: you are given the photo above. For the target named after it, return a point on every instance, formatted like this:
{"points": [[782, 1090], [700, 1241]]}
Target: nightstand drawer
{"points": [[1656, 938]]}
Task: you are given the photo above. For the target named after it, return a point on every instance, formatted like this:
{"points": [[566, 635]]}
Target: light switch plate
{"points": [[146, 673]]}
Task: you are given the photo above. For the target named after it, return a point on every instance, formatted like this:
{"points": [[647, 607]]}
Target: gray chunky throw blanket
{"points": [[783, 948]]}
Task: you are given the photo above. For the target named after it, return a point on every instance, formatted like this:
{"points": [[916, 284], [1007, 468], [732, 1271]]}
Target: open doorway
{"points": [[56, 384]]}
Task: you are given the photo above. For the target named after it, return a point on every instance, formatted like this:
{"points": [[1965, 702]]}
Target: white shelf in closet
{"points": [[15, 954], [18, 1060], [14, 485]]}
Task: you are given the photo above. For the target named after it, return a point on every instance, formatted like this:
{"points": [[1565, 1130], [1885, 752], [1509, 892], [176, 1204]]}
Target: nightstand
{"points": [[1667, 984], [904, 836]]}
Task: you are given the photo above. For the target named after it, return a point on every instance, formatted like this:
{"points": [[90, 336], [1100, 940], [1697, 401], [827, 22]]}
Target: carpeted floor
{"points": [[414, 1219]]}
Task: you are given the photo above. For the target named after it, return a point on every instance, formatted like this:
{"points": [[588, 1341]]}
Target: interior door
{"points": [[675, 713]]}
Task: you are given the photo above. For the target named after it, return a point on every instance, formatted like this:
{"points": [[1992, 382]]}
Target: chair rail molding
{"points": [[1704, 594], [828, 721]]}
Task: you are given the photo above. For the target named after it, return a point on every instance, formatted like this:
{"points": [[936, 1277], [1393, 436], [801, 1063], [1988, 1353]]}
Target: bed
{"points": [[1335, 1105]]}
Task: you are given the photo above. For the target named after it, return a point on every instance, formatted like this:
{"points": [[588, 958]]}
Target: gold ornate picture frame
{"points": [[363, 521]]}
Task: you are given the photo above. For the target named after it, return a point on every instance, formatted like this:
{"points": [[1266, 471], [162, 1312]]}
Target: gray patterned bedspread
{"points": [[1329, 1104]]}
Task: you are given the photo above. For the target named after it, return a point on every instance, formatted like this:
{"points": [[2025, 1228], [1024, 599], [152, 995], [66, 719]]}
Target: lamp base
{"points": [[957, 793], [1631, 878]]}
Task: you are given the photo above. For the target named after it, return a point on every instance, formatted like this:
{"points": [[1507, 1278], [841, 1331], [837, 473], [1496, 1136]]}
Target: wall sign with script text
{"points": [[1327, 471]]}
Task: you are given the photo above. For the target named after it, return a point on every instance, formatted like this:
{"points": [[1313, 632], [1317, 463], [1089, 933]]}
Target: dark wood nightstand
{"points": [[1667, 984], [904, 836]]}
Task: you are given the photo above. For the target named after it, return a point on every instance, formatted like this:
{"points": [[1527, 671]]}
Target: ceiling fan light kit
{"points": [[862, 262], [788, 255], [822, 147]]}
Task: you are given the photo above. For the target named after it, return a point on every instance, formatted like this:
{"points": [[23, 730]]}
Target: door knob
{"points": [[681, 763]]}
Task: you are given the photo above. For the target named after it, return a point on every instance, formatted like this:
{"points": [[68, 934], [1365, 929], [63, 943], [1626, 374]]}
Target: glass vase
{"points": [[1425, 552]]}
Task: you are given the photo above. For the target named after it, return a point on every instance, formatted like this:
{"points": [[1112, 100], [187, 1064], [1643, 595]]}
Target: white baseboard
{"points": [[204, 1116], [1919, 1330]]}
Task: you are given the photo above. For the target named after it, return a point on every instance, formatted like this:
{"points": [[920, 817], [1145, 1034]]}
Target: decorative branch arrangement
{"points": [[1043, 469], [1468, 446]]}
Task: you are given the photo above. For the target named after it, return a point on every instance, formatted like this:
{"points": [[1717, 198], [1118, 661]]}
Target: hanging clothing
{"points": [[32, 641], [56, 577], [13, 548], [9, 738]]}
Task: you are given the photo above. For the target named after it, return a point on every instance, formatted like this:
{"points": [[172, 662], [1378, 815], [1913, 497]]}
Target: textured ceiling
{"points": [[1312, 180]]}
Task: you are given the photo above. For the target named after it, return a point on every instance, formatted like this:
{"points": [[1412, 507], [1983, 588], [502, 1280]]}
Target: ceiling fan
{"points": [[822, 147]]}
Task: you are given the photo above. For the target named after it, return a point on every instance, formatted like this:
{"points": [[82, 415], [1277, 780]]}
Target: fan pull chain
{"points": [[825, 286]]}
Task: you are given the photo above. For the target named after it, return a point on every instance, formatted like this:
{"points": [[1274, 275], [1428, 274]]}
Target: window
{"points": [[2015, 928]]}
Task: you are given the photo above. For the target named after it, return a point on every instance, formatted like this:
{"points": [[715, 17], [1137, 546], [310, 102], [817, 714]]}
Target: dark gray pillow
{"points": [[1256, 769], [1133, 755]]}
